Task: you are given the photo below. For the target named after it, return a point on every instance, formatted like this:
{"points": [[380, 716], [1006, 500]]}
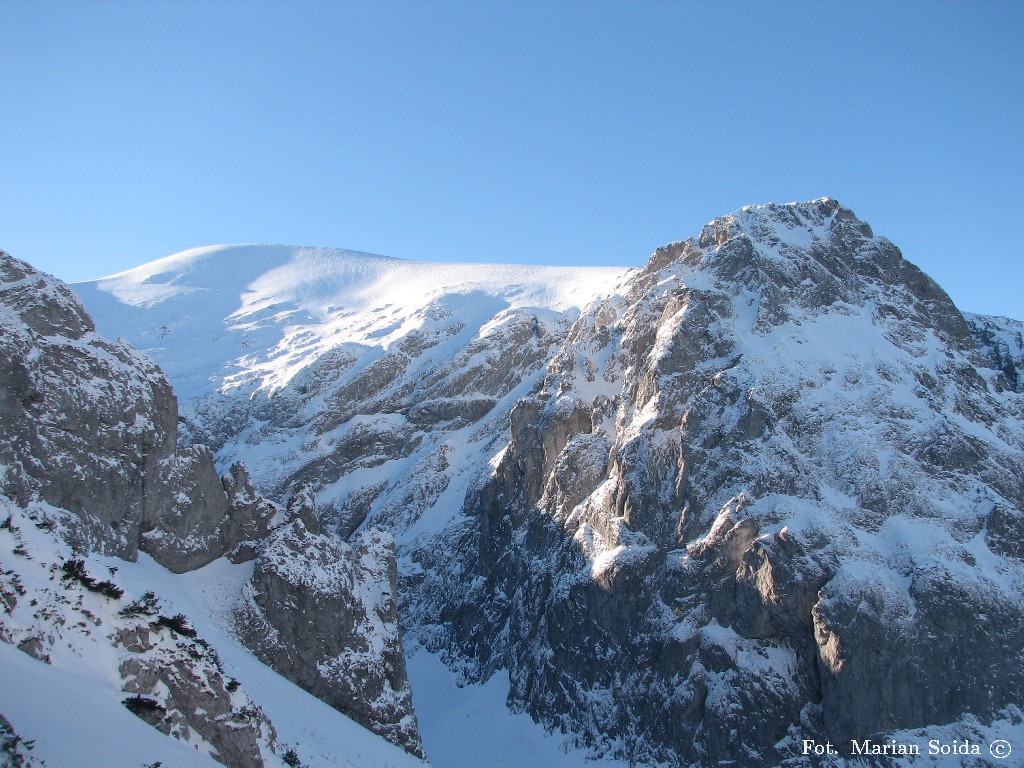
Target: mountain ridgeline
{"points": [[764, 490]]}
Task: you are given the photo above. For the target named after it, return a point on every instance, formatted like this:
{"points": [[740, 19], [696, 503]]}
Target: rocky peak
{"points": [[773, 424], [805, 256], [46, 306]]}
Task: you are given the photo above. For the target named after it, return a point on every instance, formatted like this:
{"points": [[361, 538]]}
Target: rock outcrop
{"points": [[90, 426], [323, 613], [179, 689]]}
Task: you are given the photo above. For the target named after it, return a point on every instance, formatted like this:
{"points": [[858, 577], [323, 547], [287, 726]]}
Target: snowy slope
{"points": [[252, 316], [79, 684]]}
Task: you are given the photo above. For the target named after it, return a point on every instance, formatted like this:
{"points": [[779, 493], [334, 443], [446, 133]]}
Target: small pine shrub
{"points": [[147, 605], [291, 757], [109, 589], [232, 685], [143, 706], [74, 570], [250, 712], [177, 623]]}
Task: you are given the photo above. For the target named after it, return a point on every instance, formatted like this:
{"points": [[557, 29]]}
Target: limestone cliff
{"points": [[90, 426], [324, 614]]}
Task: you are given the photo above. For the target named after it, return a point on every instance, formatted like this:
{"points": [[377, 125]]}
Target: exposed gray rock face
{"points": [[208, 517], [180, 675], [1001, 340], [766, 494], [90, 426], [86, 424], [323, 613]]}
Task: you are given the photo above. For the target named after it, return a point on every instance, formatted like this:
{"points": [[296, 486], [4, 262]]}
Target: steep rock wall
{"points": [[90, 426], [754, 500]]}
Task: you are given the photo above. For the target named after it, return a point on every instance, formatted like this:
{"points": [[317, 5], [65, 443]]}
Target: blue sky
{"points": [[536, 132]]}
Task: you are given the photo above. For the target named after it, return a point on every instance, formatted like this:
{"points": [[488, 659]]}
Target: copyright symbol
{"points": [[1000, 749]]}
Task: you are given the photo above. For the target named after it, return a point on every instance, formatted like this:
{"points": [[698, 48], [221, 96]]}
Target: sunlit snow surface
{"points": [[274, 309]]}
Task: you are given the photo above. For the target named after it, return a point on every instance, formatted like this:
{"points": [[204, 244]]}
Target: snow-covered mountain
{"points": [[763, 491], [357, 374], [771, 492]]}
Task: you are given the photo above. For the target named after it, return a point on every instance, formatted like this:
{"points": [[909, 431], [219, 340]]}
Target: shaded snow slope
{"points": [[462, 723]]}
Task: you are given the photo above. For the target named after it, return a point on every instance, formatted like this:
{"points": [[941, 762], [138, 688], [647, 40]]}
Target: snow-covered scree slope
{"points": [[766, 489], [88, 455]]}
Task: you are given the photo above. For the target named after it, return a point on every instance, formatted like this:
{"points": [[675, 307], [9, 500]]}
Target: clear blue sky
{"points": [[539, 132]]}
